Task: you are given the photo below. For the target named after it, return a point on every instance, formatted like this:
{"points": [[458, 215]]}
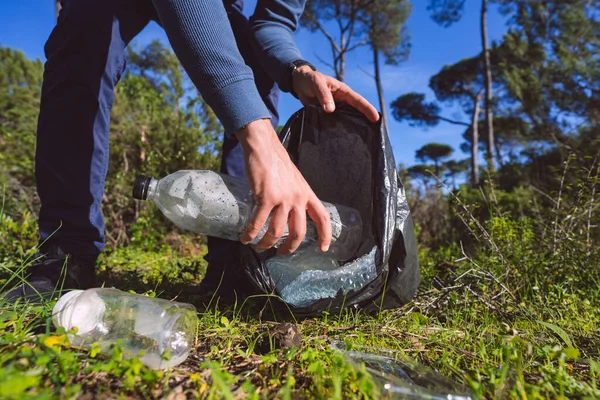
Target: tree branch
{"points": [[361, 43], [338, 14], [451, 121], [336, 62], [327, 34], [328, 65], [351, 22], [370, 75]]}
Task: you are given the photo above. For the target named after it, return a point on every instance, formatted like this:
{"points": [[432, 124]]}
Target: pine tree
{"points": [[447, 12], [436, 153]]}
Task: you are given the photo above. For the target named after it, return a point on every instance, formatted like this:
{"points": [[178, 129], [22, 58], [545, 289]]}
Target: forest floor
{"points": [[543, 343]]}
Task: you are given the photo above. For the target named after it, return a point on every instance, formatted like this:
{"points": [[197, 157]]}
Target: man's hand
{"points": [[312, 87], [280, 190]]}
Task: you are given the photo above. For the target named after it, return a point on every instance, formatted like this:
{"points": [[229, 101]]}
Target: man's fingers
{"points": [[317, 212], [297, 231], [256, 223], [276, 230], [347, 95], [308, 101], [324, 95]]}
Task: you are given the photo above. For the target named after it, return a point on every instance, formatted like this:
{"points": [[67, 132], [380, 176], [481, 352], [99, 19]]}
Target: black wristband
{"points": [[288, 84]]}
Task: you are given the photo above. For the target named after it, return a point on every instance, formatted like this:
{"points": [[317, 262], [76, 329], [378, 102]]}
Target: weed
{"points": [[515, 316]]}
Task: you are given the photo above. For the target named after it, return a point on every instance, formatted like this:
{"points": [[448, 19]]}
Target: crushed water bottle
{"points": [[219, 205], [399, 377], [305, 278], [164, 330], [286, 268]]}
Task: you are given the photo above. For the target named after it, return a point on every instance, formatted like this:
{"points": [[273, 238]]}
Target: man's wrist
{"points": [[291, 68], [254, 132], [305, 69]]}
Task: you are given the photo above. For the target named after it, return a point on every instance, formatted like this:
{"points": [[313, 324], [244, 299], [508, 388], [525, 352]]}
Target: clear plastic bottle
{"points": [[219, 205], [164, 330], [399, 377], [286, 268], [317, 280]]}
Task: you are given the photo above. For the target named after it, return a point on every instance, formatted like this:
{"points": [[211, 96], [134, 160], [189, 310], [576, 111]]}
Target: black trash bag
{"points": [[348, 160]]}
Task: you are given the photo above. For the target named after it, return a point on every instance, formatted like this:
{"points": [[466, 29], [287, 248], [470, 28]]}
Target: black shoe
{"points": [[221, 280], [226, 284], [52, 274], [219, 284]]}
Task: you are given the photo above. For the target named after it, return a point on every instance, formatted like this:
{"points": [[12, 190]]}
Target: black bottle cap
{"points": [[140, 187]]}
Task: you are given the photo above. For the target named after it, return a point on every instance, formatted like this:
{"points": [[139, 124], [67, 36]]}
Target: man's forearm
{"points": [[202, 39], [273, 24]]}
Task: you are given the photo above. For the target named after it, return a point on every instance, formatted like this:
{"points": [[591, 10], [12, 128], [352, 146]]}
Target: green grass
{"points": [[542, 346], [510, 319]]}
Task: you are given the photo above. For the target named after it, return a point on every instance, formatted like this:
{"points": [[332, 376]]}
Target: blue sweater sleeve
{"points": [[201, 36], [273, 24]]}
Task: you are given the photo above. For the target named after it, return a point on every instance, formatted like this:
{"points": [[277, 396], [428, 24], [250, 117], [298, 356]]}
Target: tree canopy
{"points": [[434, 152]]}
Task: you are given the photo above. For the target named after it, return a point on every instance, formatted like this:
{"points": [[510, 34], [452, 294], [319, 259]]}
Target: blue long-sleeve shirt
{"points": [[273, 24], [201, 36]]}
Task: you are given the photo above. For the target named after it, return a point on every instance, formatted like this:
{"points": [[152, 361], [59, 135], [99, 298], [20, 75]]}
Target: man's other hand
{"points": [[312, 87], [280, 191]]}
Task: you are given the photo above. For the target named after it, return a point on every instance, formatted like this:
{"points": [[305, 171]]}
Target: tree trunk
{"points": [[498, 148], [475, 140], [342, 59], [384, 119], [58, 7], [489, 122], [339, 63]]}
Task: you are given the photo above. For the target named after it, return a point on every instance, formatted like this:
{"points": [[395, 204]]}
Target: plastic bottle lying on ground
{"points": [[219, 205], [399, 377], [164, 330]]}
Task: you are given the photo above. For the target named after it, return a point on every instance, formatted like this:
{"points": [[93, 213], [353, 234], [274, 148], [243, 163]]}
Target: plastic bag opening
{"points": [[348, 160]]}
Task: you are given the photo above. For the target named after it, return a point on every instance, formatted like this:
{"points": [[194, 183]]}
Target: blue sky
{"points": [[25, 25]]}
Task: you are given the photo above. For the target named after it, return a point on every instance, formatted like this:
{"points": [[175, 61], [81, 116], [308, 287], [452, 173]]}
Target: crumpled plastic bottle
{"points": [[399, 377], [305, 277], [163, 330]]}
